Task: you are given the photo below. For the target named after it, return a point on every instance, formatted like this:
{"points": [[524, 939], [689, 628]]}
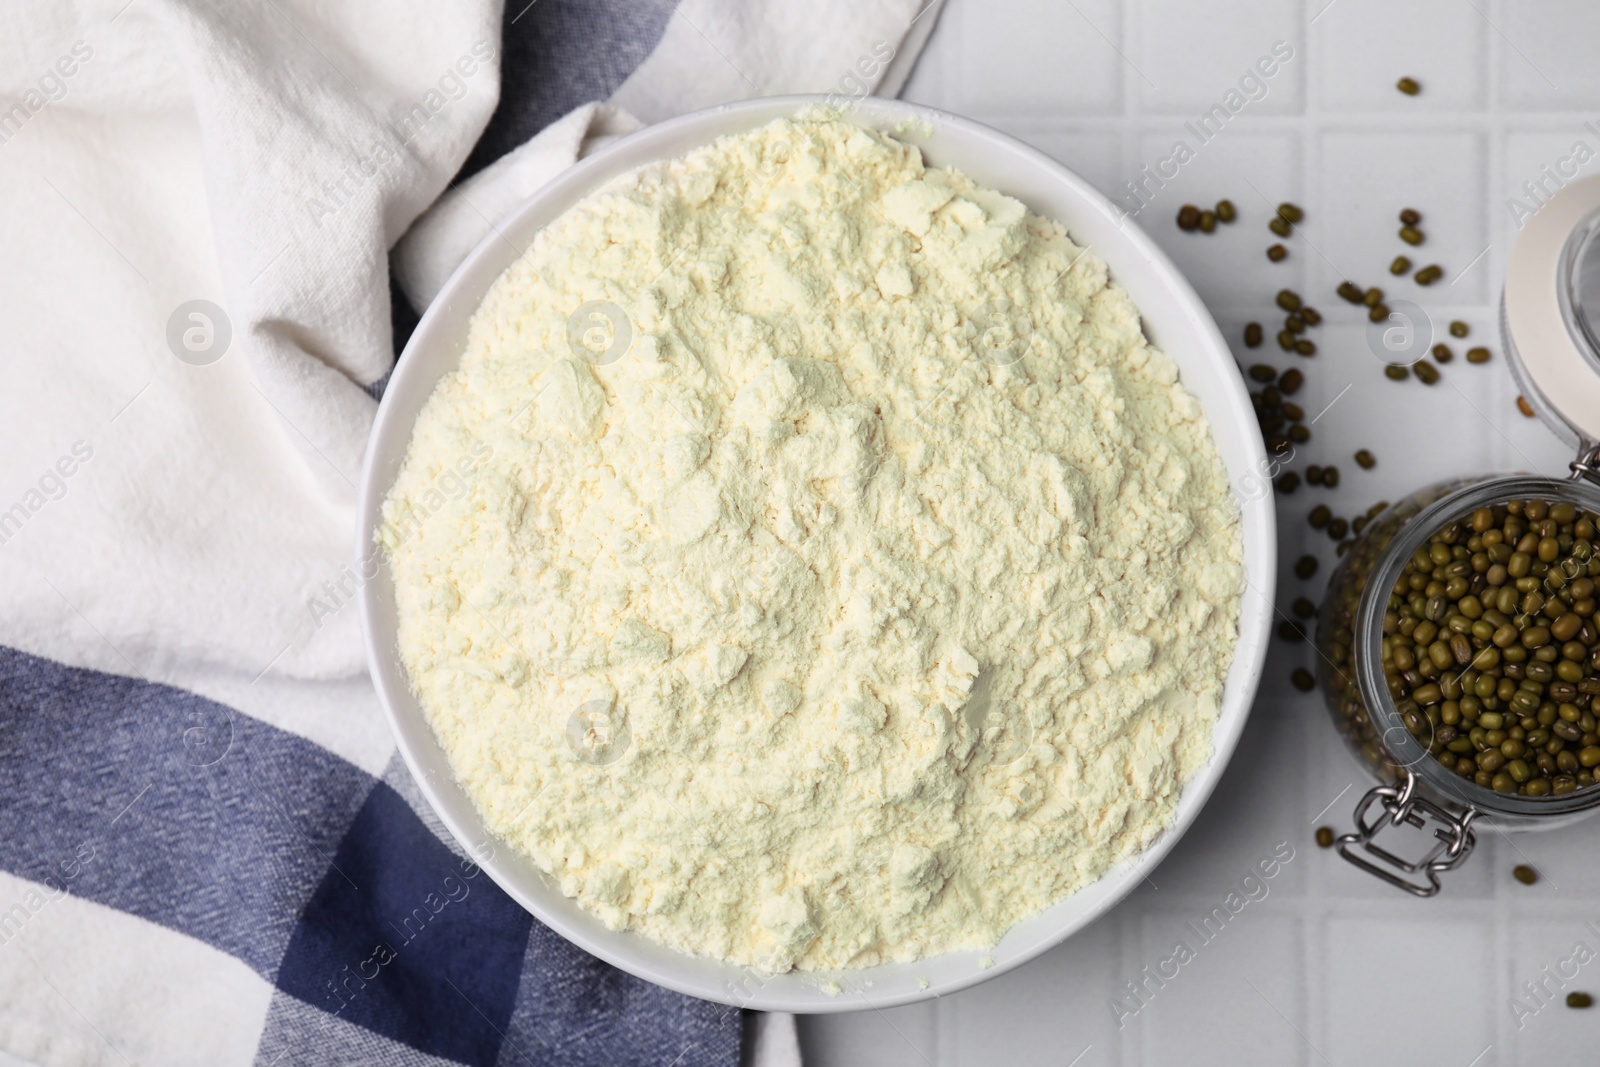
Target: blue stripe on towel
{"points": [[196, 817], [409, 940]]}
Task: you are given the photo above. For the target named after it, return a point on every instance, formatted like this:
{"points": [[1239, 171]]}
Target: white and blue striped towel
{"points": [[209, 852]]}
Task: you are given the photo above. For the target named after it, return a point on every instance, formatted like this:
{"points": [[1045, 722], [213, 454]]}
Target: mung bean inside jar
{"points": [[1491, 646]]}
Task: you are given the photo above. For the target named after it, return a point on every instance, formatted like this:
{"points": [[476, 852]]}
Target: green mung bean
{"points": [[1491, 631]]}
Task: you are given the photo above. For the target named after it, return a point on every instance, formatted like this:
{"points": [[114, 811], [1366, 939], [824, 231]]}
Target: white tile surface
{"points": [[1072, 54], [1547, 53], [1362, 47], [1190, 55], [1334, 956], [1364, 1025]]}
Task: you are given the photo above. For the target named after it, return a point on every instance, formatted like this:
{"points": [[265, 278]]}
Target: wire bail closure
{"points": [[1587, 465], [1401, 804]]}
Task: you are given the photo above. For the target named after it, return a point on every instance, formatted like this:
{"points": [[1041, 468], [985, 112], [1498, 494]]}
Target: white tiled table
{"points": [[1332, 967]]}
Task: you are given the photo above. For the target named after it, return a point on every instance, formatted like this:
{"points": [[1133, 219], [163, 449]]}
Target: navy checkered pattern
{"points": [[384, 943]]}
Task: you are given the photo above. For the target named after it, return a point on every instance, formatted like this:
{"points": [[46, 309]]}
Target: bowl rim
{"points": [[800, 991]]}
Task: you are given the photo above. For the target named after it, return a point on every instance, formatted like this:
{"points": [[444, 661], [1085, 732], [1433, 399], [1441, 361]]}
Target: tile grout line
{"points": [[1500, 395]]}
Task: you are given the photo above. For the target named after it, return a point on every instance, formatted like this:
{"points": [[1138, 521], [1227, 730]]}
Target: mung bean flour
{"points": [[847, 581]]}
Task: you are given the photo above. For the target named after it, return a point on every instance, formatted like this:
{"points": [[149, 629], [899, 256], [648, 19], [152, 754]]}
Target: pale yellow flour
{"points": [[847, 582]]}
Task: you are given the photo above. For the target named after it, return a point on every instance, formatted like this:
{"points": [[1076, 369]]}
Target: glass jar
{"points": [[1396, 742], [1550, 323]]}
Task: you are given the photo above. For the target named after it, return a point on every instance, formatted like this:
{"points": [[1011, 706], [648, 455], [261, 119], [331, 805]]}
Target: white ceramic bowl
{"points": [[1174, 319]]}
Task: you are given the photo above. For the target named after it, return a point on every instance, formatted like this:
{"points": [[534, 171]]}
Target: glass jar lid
{"points": [[1550, 312]]}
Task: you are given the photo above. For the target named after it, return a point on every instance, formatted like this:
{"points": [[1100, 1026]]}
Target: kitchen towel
{"points": [[209, 853]]}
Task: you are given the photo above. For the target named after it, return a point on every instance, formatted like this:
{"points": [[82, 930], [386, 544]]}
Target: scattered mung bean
{"points": [[1279, 226], [1366, 460], [1524, 407], [1351, 292], [1290, 212], [1396, 372], [1428, 275], [1324, 837], [1305, 347], [1411, 235], [1442, 354], [1305, 567], [1252, 335], [1409, 86], [1291, 382], [1576, 999], [1426, 372], [1330, 477], [1226, 211], [1524, 874], [1478, 355], [1459, 329], [1399, 265], [1208, 221], [1277, 253], [1188, 218], [1410, 216], [1287, 482]]}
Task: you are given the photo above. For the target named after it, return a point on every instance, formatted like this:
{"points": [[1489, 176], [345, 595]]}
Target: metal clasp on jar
{"points": [[1587, 465], [1401, 804]]}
